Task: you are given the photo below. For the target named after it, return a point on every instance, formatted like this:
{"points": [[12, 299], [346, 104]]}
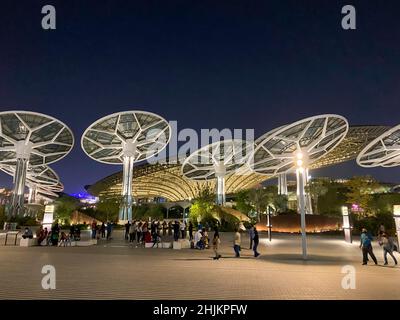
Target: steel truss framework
{"points": [[215, 161], [40, 180], [383, 151], [125, 138], [166, 180], [30, 139]]}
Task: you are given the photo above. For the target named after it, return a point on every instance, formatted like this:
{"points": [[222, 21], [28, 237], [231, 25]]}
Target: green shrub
{"points": [[372, 223]]}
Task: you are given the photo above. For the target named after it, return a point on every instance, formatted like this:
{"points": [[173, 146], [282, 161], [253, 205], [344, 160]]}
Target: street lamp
{"points": [[300, 175], [346, 225]]}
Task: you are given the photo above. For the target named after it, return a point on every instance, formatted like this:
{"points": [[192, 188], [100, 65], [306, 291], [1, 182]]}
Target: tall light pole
{"points": [[300, 173]]}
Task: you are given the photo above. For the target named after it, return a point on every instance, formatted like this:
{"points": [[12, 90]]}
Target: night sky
{"points": [[207, 64]]}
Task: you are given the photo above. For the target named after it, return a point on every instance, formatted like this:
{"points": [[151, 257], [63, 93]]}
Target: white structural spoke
{"points": [[42, 136], [384, 151], [146, 132], [315, 136]]}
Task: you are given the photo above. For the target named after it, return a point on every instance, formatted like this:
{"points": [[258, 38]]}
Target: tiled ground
{"points": [[114, 270]]}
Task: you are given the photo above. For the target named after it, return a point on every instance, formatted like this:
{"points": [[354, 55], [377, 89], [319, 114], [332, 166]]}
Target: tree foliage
{"points": [[65, 205], [317, 187], [243, 202], [360, 192], [107, 209]]}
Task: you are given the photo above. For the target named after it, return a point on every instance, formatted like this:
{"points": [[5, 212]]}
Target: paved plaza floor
{"points": [[115, 270]]}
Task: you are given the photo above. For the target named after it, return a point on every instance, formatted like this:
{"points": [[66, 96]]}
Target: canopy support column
{"points": [[125, 211], [282, 184], [301, 200], [221, 190], [17, 203]]}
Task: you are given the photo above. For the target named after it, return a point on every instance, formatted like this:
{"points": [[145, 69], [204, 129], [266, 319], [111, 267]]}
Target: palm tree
{"points": [[260, 198], [316, 188]]}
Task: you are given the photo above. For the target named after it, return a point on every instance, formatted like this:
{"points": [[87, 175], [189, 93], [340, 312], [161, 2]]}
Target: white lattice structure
{"points": [[216, 161], [30, 139], [38, 178], [125, 138], [384, 151]]}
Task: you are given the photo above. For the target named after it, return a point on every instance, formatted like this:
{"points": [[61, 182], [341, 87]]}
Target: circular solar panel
{"points": [[139, 134], [217, 159], [384, 151], [41, 175], [40, 138], [314, 137]]}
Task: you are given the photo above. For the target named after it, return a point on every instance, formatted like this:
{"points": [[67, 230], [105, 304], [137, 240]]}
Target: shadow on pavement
{"points": [[291, 258]]}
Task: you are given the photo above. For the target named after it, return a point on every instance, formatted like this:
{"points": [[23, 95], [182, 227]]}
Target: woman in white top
{"points": [[183, 229]]}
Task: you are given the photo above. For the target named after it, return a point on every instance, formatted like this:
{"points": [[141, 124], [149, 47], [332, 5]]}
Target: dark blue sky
{"points": [[206, 64]]}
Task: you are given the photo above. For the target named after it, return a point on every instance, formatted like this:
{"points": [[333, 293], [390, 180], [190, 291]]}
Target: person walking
{"points": [[103, 230], [94, 229], [127, 226], [109, 230], [170, 228], [366, 246], [236, 243], [153, 227], [251, 236], [132, 231], [216, 244], [139, 232], [183, 229], [144, 232], [176, 230], [156, 238], [388, 247], [255, 242], [190, 231]]}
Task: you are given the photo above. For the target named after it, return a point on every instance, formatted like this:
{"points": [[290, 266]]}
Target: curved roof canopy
{"points": [[383, 151], [42, 138], [315, 137], [141, 134], [166, 180]]}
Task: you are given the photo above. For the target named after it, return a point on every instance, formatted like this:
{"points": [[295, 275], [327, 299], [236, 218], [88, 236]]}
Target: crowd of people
{"points": [[140, 232]]}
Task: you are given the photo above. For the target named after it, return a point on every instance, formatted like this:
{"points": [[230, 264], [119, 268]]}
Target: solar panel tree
{"points": [[217, 160], [30, 139], [125, 138], [293, 148]]}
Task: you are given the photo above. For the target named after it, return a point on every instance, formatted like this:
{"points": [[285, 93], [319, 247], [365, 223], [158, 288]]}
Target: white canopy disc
{"points": [[217, 159], [37, 137], [384, 151], [314, 137], [138, 134]]}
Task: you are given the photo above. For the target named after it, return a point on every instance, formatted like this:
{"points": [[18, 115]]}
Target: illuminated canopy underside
{"points": [[167, 181], [43, 178], [41, 175], [51, 140], [201, 164], [104, 140], [384, 151], [315, 137]]}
